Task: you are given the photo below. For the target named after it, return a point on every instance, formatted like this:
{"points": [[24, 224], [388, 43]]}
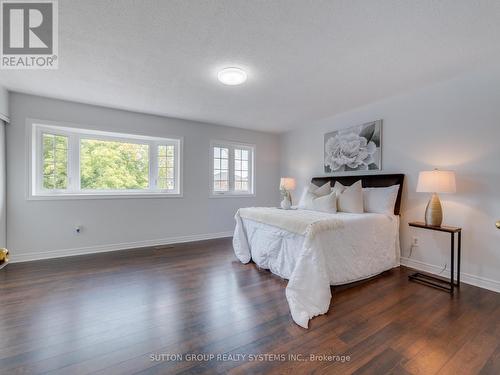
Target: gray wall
{"points": [[41, 229], [4, 115], [3, 195], [451, 125], [4, 104]]}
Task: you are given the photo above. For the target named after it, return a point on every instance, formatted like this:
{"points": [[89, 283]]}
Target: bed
{"points": [[314, 250]]}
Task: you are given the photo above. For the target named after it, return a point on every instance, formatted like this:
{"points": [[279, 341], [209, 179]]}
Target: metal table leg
{"points": [[459, 251], [452, 275]]}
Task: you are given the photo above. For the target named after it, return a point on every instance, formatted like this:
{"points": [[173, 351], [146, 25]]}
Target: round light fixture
{"points": [[232, 76]]}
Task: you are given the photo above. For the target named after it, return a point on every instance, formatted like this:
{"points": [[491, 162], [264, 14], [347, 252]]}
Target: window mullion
{"points": [[153, 166], [39, 160], [74, 163], [250, 171], [176, 178], [231, 169]]}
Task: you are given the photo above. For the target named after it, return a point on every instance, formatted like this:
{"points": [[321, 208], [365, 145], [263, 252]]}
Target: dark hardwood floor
{"points": [[109, 313]]}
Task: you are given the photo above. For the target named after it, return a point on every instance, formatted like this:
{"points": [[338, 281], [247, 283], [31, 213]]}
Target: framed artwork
{"points": [[358, 148]]}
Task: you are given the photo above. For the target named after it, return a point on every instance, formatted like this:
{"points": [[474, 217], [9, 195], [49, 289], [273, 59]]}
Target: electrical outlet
{"points": [[414, 241]]}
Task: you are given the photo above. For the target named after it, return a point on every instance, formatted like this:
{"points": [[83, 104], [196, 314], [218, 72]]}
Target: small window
{"points": [[232, 168], [79, 162]]}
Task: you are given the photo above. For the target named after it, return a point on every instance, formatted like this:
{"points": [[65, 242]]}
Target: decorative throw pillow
{"points": [[380, 200], [320, 191], [311, 192], [326, 203], [349, 198]]}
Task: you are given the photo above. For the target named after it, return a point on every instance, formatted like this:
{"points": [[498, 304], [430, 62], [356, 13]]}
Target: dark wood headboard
{"points": [[369, 180]]}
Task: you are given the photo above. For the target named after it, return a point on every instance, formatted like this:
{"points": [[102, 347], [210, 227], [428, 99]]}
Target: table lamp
{"points": [[435, 182], [287, 184]]}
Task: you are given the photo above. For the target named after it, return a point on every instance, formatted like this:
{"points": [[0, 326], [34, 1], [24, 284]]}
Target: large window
{"points": [[77, 162], [232, 168]]}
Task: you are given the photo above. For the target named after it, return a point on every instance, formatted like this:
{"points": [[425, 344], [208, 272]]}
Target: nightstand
{"points": [[438, 282]]}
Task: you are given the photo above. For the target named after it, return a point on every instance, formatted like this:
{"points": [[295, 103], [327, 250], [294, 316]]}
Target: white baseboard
{"points": [[29, 256], [481, 282]]}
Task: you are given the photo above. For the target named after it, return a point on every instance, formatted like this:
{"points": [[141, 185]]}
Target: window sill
{"points": [[232, 195], [102, 196]]}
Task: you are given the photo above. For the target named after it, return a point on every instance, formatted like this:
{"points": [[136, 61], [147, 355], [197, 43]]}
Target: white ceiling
{"points": [[306, 60]]}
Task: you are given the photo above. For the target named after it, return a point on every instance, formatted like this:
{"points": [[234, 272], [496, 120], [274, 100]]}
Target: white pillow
{"points": [[320, 191], [380, 200], [350, 198], [326, 203], [311, 192]]}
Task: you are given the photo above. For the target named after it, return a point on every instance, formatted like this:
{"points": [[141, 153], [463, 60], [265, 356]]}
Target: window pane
{"points": [[220, 181], [113, 165], [55, 161], [49, 153], [162, 150], [241, 185], [61, 181], [170, 151], [60, 155], [48, 168], [168, 184], [220, 169], [48, 142], [61, 142], [241, 170], [48, 182], [166, 161]]}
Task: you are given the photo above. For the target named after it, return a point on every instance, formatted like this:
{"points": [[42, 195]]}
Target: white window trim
{"points": [[251, 169], [35, 127]]}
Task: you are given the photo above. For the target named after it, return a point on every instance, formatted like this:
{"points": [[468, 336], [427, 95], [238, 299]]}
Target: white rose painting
{"points": [[358, 148]]}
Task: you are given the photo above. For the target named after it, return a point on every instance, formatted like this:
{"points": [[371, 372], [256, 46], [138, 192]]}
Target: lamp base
{"points": [[434, 212], [285, 203]]}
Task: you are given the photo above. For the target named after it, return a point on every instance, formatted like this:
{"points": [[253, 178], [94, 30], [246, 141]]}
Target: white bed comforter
{"points": [[315, 250]]}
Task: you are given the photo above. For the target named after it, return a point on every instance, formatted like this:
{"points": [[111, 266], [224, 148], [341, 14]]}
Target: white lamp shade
{"points": [[287, 183], [436, 181]]}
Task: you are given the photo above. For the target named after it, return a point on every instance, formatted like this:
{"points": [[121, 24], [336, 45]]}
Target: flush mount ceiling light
{"points": [[232, 76]]}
